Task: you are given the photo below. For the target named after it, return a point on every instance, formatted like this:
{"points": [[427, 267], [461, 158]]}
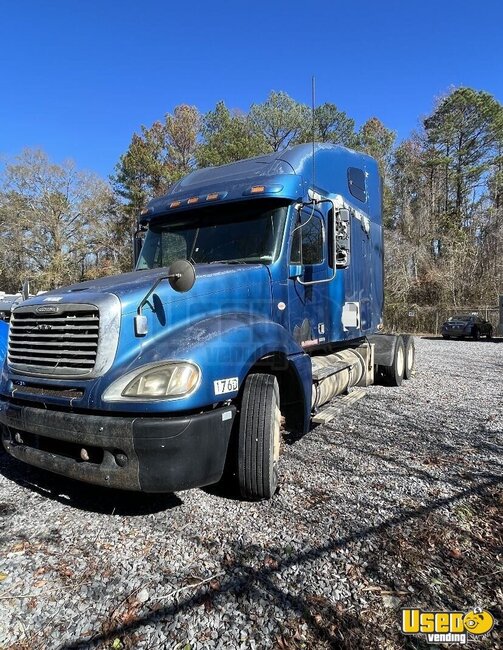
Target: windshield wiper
{"points": [[227, 262]]}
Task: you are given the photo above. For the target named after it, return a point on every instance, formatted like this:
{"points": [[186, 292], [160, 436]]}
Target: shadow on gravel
{"points": [[329, 626], [91, 499]]}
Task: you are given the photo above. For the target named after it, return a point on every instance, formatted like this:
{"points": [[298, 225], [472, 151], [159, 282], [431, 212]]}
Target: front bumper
{"points": [[148, 454]]}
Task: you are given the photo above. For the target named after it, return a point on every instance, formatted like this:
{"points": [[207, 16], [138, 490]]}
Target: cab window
{"points": [[311, 236]]}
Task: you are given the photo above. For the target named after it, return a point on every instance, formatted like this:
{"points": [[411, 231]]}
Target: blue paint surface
{"points": [[4, 335]]}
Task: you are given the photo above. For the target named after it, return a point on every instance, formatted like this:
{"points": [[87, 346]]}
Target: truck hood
{"points": [[224, 279]]}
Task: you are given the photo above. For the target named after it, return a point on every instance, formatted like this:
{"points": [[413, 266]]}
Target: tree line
{"points": [[443, 194]]}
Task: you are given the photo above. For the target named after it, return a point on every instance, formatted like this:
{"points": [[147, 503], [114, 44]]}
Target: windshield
{"points": [[236, 233], [462, 317]]}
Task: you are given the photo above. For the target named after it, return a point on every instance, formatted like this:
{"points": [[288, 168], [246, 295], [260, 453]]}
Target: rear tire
{"points": [[395, 373], [476, 333], [489, 334], [259, 437], [410, 356]]}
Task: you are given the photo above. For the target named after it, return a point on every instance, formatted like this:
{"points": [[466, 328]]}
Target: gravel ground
{"points": [[396, 503]]}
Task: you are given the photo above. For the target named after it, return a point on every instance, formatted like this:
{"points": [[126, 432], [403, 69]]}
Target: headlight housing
{"points": [[158, 381]]}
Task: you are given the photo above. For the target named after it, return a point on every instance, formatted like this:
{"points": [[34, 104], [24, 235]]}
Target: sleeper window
{"points": [[356, 182]]}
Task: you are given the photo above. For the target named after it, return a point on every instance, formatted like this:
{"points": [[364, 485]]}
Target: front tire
{"points": [[259, 437], [476, 333]]}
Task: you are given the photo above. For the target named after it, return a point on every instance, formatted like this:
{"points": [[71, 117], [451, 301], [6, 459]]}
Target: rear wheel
{"points": [[476, 333], [489, 333], [395, 373], [410, 356], [259, 437]]}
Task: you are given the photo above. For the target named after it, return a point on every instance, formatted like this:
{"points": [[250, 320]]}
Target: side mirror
{"points": [[25, 291], [138, 239], [342, 237], [137, 246], [295, 271], [182, 275]]}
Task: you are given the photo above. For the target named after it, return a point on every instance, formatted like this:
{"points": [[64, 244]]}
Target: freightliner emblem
{"points": [[47, 309]]}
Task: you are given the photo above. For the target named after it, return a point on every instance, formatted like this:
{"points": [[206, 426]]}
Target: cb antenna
{"points": [[313, 105]]}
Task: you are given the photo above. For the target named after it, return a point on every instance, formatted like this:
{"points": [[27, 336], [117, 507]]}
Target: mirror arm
{"points": [[154, 287], [140, 321], [181, 275]]}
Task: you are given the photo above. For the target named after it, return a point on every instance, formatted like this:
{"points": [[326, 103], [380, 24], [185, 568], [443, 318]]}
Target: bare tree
{"points": [[52, 217]]}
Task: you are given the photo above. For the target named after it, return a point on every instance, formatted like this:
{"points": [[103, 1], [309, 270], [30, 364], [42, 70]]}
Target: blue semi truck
{"points": [[257, 296]]}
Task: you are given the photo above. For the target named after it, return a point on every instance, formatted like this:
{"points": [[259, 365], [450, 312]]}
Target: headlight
{"points": [[155, 381]]}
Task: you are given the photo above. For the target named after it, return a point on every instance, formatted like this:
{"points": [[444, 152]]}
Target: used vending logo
{"points": [[447, 627]]}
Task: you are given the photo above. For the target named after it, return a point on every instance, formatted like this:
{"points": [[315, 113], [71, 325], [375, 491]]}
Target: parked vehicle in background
{"points": [[466, 325]]}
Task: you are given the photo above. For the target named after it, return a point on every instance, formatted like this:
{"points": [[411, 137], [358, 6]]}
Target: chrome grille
{"points": [[54, 339]]}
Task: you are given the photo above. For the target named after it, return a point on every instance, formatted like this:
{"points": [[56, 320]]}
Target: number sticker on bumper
{"points": [[222, 386]]}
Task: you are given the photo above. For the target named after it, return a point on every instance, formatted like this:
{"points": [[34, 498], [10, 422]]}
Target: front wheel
{"points": [[259, 437], [489, 334], [476, 333]]}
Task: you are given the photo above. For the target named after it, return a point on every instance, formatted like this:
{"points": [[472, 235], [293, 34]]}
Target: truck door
{"points": [[307, 303]]}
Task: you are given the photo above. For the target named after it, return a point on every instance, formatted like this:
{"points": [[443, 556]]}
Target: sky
{"points": [[79, 77]]}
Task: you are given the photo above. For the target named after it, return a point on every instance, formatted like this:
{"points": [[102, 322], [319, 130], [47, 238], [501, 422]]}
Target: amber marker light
{"points": [[193, 199], [212, 196], [175, 204], [257, 189]]}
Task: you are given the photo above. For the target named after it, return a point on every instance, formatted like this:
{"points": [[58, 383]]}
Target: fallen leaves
{"points": [[270, 562], [65, 572], [215, 584]]}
